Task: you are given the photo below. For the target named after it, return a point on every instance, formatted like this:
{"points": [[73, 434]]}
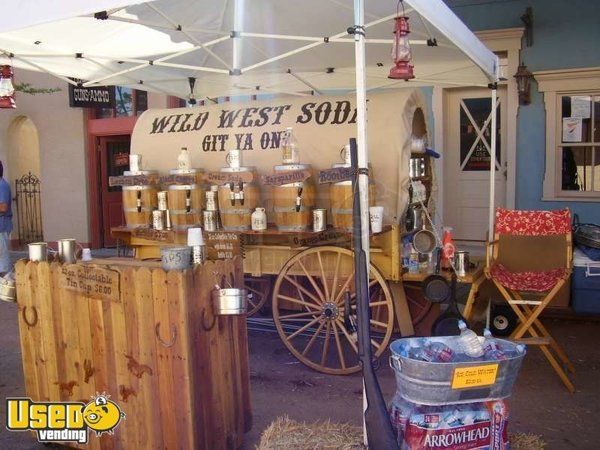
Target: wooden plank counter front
{"points": [[146, 337]]}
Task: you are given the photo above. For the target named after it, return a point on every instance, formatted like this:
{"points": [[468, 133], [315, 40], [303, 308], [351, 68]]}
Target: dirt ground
{"points": [[281, 385]]}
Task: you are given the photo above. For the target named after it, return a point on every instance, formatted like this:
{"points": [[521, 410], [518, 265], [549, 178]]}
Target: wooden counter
{"points": [[144, 336]]}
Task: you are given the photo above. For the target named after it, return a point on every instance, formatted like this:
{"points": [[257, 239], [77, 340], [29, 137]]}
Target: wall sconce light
{"points": [[524, 77]]}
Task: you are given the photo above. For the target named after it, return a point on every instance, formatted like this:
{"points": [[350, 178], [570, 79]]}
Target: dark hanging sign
{"points": [[91, 97]]}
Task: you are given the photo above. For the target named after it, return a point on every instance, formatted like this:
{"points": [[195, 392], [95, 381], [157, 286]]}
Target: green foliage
{"points": [[29, 89]]}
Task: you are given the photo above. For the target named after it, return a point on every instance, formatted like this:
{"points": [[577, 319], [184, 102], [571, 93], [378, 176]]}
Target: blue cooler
{"points": [[585, 284]]}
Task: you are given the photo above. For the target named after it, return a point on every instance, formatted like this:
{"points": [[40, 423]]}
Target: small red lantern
{"points": [[7, 90], [402, 69]]}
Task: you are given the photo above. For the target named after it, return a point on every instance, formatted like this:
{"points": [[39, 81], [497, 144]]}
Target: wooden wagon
{"points": [[310, 279]]}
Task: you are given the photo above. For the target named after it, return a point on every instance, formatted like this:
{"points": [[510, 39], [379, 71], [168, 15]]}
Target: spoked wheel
{"points": [[315, 317], [258, 290]]}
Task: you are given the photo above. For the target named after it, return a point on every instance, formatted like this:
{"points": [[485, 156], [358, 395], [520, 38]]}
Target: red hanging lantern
{"points": [[7, 89], [402, 69]]}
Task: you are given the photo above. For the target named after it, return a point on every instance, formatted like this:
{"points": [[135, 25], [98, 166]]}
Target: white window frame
{"points": [[554, 84]]}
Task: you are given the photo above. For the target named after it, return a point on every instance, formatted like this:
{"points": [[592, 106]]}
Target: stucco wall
{"points": [[565, 35], [62, 155]]}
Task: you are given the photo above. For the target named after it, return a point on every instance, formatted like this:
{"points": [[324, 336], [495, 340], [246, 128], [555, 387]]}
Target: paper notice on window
{"points": [[581, 106], [571, 129]]}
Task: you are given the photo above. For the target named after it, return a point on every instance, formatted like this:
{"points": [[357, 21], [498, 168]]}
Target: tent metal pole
{"points": [[18, 58], [492, 169], [306, 82], [116, 74], [187, 66], [362, 152], [316, 44], [165, 27], [192, 38]]}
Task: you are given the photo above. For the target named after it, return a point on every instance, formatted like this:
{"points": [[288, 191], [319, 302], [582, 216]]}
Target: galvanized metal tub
{"points": [[176, 258], [430, 383]]}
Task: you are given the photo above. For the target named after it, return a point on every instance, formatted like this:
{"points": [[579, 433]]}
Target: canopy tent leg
{"points": [[492, 167]]}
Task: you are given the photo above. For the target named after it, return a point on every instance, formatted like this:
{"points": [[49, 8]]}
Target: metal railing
{"points": [[29, 209]]}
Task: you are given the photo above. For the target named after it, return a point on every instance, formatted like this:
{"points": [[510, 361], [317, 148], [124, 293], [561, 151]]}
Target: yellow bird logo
{"points": [[102, 415]]}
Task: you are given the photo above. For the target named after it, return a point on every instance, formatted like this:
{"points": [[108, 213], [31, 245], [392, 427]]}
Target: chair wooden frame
{"points": [[528, 312]]}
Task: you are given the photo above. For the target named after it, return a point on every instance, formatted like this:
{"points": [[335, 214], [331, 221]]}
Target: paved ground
{"points": [[281, 385]]}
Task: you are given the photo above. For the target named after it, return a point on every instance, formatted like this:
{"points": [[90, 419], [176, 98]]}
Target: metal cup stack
{"points": [[196, 241], [211, 213]]}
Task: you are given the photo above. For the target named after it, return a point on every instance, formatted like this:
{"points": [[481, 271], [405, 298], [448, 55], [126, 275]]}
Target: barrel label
{"points": [[91, 281], [288, 177], [183, 179], [336, 175], [133, 180], [229, 177]]}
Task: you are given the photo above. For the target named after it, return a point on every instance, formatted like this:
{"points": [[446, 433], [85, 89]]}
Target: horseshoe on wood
{"points": [[206, 327], [35, 316], [173, 336]]}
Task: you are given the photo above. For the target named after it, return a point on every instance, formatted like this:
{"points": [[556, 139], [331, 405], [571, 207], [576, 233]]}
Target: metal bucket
{"points": [[38, 251], [176, 258], [430, 383], [8, 292], [231, 301]]}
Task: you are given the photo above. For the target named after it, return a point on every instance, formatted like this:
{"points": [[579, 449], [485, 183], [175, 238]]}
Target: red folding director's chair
{"points": [[529, 260]]}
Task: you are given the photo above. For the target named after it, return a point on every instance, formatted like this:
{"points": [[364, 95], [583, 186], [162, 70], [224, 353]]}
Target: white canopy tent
{"points": [[241, 47]]}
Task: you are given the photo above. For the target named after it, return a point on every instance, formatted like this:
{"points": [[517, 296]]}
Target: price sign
{"points": [[91, 281], [474, 376], [154, 235], [222, 244]]}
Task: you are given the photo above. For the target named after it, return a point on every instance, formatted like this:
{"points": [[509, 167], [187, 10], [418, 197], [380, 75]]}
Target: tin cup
{"points": [[234, 158], [346, 155], [38, 251], [210, 220], [67, 251], [158, 220], [135, 163], [319, 219], [162, 200]]}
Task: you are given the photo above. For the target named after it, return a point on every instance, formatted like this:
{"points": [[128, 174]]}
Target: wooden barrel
{"points": [[186, 201], [138, 202], [287, 217], [235, 215], [341, 200]]}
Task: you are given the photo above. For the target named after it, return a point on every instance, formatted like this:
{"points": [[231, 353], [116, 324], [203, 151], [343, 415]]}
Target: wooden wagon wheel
{"points": [[311, 314], [259, 288]]}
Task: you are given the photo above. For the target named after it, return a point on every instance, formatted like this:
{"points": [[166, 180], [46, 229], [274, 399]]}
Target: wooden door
{"points": [[467, 160], [113, 156]]}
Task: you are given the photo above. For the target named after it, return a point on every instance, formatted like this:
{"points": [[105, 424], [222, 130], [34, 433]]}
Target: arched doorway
{"points": [[23, 171]]}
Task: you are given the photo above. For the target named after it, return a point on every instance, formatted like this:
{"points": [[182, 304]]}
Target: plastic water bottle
{"points": [[491, 348], [434, 352], [469, 341]]}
